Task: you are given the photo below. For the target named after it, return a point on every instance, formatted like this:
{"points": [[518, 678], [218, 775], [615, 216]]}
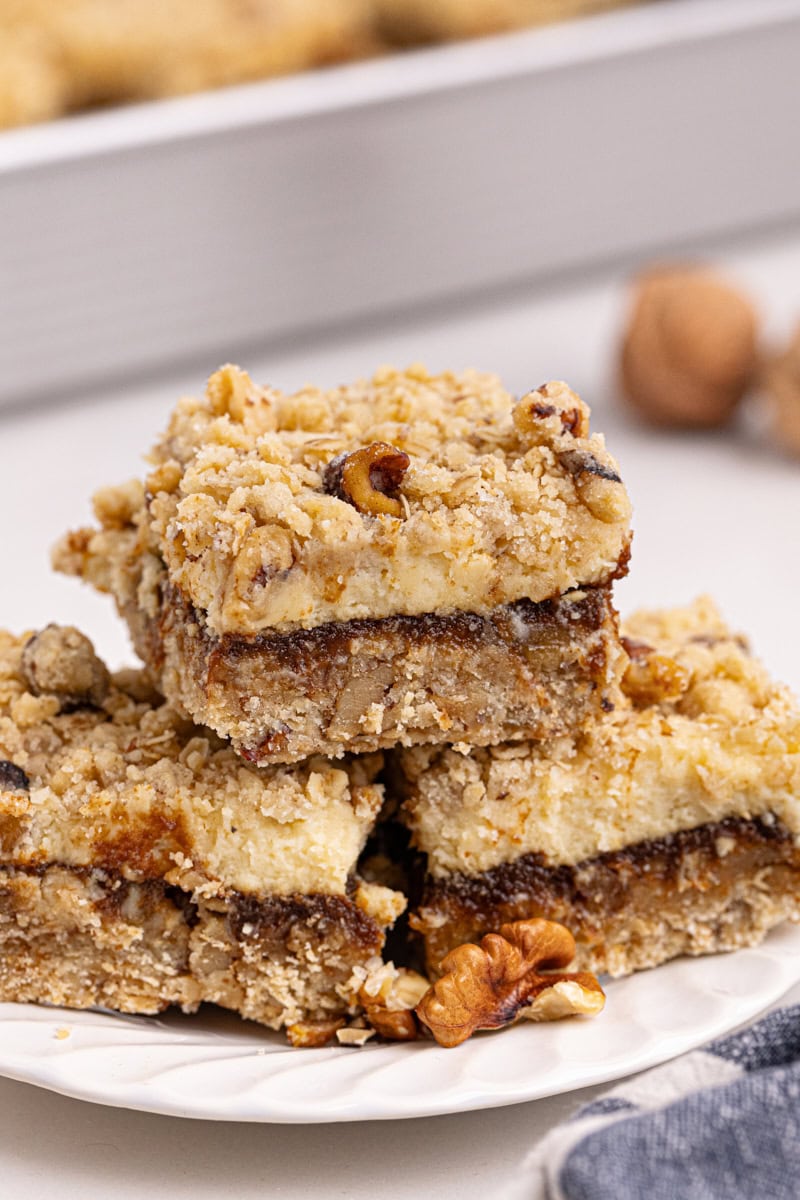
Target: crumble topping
{"points": [[722, 741], [126, 783], [498, 502]]}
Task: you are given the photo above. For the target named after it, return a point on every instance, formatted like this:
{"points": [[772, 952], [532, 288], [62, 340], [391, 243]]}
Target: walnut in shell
{"points": [[690, 350], [782, 385], [507, 977]]}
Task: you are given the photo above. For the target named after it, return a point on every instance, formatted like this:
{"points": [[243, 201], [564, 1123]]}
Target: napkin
{"points": [[720, 1123]]}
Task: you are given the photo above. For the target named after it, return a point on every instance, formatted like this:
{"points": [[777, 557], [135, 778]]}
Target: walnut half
{"points": [[505, 978], [369, 479]]}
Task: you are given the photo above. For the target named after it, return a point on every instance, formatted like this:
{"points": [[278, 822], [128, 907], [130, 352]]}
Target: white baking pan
{"points": [[134, 239]]}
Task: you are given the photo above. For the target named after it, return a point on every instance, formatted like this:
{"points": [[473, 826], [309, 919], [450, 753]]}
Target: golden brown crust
{"points": [[129, 785], [80, 937], [670, 826], [143, 864]]}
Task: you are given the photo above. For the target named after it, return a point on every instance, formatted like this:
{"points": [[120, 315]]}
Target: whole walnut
{"points": [[690, 350], [782, 387]]}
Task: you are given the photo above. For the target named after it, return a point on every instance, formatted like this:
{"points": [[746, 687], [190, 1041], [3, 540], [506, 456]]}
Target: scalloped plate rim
{"points": [[446, 1077]]}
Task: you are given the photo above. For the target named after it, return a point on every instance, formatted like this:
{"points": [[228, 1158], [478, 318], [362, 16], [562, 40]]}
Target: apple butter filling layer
{"points": [[365, 685], [717, 887], [134, 839], [703, 737]]}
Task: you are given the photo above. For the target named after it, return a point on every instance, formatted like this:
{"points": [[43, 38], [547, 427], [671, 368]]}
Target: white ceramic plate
{"points": [[216, 1067]]}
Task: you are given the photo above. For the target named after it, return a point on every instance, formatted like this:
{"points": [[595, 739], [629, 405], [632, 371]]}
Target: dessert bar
{"points": [[344, 571], [61, 55], [143, 864], [671, 826]]}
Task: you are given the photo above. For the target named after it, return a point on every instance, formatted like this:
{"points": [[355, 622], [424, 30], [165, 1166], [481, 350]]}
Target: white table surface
{"points": [[717, 512]]}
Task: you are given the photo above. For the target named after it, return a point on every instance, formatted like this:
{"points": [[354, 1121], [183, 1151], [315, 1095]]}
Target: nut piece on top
{"points": [[341, 571], [689, 352], [782, 381], [510, 975], [60, 661]]}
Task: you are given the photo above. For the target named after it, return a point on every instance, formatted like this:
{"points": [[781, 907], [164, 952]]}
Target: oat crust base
{"points": [[83, 937]]}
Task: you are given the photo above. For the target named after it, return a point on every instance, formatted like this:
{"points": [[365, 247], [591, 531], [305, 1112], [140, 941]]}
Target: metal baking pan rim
{"points": [[398, 76]]}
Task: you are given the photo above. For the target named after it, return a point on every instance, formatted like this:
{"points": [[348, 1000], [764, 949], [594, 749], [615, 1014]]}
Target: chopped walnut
{"points": [[369, 479], [492, 985], [59, 661], [389, 995], [399, 1026], [313, 1034], [354, 1035], [12, 777], [550, 412], [652, 678], [592, 479], [567, 998]]}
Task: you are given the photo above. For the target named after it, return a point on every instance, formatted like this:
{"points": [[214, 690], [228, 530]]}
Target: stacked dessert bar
{"points": [[386, 603], [345, 571], [144, 864], [670, 826]]}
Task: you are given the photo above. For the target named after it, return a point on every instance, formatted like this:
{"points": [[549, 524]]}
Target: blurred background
{"points": [[316, 187]]}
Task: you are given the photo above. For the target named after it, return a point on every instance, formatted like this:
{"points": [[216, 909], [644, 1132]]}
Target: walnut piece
{"points": [[782, 386], [313, 1034], [567, 998], [369, 479], [354, 1035], [652, 678], [550, 412], [554, 416], [12, 777], [388, 996], [690, 349], [399, 1026], [59, 661], [505, 978]]}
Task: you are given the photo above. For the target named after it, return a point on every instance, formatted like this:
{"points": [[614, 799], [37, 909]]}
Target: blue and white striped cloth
{"points": [[721, 1123]]}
